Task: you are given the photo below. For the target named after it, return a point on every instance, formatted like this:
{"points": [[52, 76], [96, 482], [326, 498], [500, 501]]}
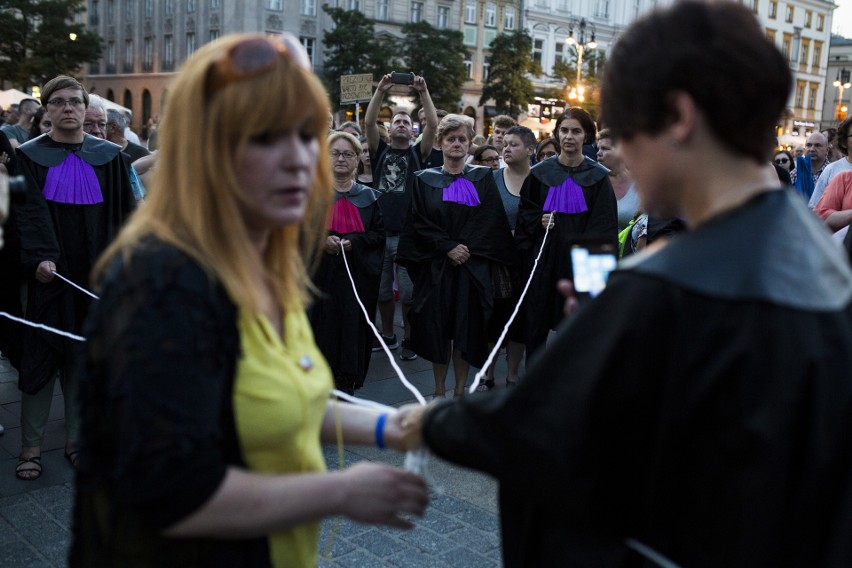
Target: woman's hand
{"points": [[547, 221], [381, 494], [332, 244], [347, 244], [45, 270], [459, 255]]}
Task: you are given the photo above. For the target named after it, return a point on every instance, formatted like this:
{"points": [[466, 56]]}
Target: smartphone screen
{"points": [[591, 264]]}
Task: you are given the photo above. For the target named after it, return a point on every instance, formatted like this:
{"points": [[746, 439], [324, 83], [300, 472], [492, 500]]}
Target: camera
{"points": [[402, 78]]}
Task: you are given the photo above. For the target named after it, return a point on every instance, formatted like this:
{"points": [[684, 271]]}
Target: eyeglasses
{"points": [[91, 125], [75, 102], [782, 160], [490, 160], [252, 57], [546, 155], [335, 154]]}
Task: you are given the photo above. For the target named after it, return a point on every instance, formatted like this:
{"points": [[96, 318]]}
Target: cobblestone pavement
{"points": [[460, 529]]}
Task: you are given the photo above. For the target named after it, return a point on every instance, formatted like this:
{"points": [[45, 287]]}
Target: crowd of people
{"points": [[697, 410]]}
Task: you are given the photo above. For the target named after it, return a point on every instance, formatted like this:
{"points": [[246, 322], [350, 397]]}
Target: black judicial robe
{"points": [[542, 307], [72, 236], [10, 274], [340, 328], [705, 409], [453, 302]]}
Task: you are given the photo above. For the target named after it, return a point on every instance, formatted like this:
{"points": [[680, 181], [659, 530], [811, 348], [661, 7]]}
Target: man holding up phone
{"points": [[394, 165]]}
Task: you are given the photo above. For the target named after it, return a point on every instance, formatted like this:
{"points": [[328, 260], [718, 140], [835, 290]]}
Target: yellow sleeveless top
{"points": [[280, 395]]}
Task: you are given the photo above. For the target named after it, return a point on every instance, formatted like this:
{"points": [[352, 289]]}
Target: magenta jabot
{"points": [[566, 198], [461, 191], [73, 181]]}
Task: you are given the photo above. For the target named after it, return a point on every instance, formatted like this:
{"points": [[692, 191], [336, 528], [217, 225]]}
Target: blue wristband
{"points": [[380, 431]]}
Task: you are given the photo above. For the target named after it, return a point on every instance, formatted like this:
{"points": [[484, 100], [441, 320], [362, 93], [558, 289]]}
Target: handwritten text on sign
{"points": [[356, 88]]}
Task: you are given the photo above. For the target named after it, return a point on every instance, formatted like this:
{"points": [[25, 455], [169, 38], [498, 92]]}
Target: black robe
{"points": [[701, 405], [72, 236], [10, 273], [453, 302], [542, 308], [340, 328]]}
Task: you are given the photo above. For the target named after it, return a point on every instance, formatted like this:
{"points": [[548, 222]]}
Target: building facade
{"points": [[834, 108]]}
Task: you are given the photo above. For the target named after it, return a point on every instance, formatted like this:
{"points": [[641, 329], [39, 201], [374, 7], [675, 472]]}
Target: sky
{"points": [[842, 22]]}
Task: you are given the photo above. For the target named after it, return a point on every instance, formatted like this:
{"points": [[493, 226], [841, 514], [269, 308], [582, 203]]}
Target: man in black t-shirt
{"points": [[394, 165]]}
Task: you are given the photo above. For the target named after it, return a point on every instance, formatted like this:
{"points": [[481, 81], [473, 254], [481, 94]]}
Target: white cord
{"points": [[493, 355], [80, 288], [43, 327]]}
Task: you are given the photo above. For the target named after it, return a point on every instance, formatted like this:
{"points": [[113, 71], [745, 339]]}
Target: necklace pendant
{"points": [[305, 363]]}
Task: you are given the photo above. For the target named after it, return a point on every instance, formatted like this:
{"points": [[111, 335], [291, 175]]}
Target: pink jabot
{"points": [[566, 198], [345, 217], [461, 191], [73, 181]]}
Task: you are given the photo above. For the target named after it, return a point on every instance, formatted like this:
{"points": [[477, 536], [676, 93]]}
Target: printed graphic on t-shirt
{"points": [[394, 173]]}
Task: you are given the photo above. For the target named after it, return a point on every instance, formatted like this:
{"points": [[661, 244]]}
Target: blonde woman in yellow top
{"points": [[206, 399]]}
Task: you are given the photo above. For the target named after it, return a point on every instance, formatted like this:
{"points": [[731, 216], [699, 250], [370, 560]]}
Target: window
{"points": [[817, 60], [309, 7], [602, 9], [277, 5], [803, 56], [147, 54], [470, 12], [416, 12], [508, 18], [808, 17], [128, 55], [443, 20], [169, 8], [111, 54], [773, 10], [559, 52], [149, 8], [491, 15], [790, 12], [213, 34], [310, 45], [538, 50], [770, 35], [93, 13], [168, 52], [190, 6], [353, 5], [485, 67], [812, 95], [468, 65], [470, 35], [562, 5], [785, 46], [752, 4], [128, 10], [820, 22], [214, 4], [190, 44], [637, 8], [110, 11], [382, 10], [800, 93]]}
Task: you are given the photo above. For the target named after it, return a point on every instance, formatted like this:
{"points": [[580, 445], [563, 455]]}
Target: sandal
{"points": [[485, 386], [72, 457], [27, 465]]}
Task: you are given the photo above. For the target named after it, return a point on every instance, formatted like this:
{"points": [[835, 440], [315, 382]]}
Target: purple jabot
{"points": [[462, 191], [566, 198], [73, 181]]}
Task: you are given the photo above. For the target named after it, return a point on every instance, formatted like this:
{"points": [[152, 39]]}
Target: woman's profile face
{"points": [[608, 155], [275, 173], [344, 158], [490, 159], [783, 160], [45, 125]]}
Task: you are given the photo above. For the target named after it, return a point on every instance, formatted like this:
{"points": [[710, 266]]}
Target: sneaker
{"points": [[392, 342], [407, 354]]}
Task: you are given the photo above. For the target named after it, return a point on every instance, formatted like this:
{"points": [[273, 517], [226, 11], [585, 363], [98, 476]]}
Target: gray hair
{"points": [[454, 122], [96, 102], [117, 118]]}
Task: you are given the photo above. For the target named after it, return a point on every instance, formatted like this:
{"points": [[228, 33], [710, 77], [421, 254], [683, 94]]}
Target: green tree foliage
{"points": [[437, 55], [353, 49], [590, 77], [508, 76], [35, 45]]}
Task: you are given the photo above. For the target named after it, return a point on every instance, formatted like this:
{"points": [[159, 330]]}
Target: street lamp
{"points": [[578, 91], [842, 83]]}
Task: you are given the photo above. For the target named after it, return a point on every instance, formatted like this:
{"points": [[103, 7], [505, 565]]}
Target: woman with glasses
{"points": [[206, 399], [547, 148], [340, 328], [486, 155], [784, 159]]}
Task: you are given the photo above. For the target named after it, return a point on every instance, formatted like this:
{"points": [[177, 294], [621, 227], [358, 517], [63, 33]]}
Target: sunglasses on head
{"points": [[782, 160], [252, 57]]}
